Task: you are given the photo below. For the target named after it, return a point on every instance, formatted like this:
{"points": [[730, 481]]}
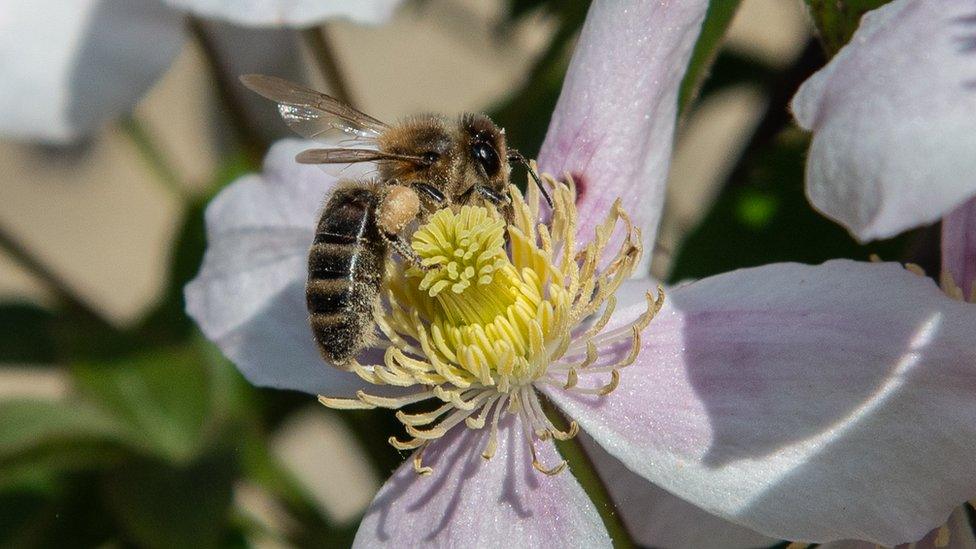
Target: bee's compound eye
{"points": [[485, 155], [430, 157]]}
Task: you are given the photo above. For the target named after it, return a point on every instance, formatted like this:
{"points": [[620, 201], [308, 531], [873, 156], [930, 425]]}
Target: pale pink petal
{"points": [[957, 533], [470, 502], [810, 403], [249, 297], [959, 247], [892, 119], [613, 126], [290, 13], [656, 518], [67, 66]]}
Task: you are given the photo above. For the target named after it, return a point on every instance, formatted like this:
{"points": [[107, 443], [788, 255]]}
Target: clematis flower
{"points": [[892, 119], [787, 401], [893, 126], [68, 66], [483, 330], [959, 252], [289, 13]]}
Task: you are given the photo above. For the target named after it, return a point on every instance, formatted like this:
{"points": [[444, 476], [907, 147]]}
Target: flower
{"points": [[482, 330], [893, 126], [770, 402], [285, 13], [959, 252], [892, 119], [66, 68]]}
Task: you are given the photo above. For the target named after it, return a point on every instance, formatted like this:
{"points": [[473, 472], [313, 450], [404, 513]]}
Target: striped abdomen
{"points": [[345, 267]]}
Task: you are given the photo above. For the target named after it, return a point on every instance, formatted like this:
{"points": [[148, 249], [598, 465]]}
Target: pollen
{"points": [[497, 309]]}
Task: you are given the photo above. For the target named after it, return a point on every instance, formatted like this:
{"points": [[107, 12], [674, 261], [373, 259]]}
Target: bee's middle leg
{"points": [[403, 249]]}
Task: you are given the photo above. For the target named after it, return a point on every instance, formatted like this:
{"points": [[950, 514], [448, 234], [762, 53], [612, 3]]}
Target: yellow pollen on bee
{"points": [[495, 310]]}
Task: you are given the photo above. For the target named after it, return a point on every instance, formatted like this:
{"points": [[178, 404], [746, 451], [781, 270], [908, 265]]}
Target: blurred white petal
{"points": [[893, 119], [67, 66], [289, 13]]}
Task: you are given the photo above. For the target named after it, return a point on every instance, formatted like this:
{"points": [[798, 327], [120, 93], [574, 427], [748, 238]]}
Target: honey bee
{"points": [[425, 163]]}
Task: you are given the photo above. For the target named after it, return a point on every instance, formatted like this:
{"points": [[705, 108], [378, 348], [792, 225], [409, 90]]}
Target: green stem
{"points": [[249, 139], [585, 472], [55, 284], [319, 42], [150, 152]]}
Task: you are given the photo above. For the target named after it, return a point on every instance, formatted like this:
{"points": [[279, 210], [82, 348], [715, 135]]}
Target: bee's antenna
{"points": [[514, 155]]}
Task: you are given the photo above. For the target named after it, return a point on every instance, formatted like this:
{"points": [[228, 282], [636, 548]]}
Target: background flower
{"points": [[67, 67], [289, 13], [892, 119]]}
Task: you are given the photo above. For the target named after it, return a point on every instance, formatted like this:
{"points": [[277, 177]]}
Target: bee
{"points": [[424, 163]]}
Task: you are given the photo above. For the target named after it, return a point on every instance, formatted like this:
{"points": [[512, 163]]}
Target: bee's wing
{"points": [[313, 114], [349, 156]]}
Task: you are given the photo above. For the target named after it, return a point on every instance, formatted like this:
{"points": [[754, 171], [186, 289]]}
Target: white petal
{"points": [[811, 403], [892, 119], [290, 13], [67, 66], [249, 297], [614, 124], [470, 502], [656, 518]]}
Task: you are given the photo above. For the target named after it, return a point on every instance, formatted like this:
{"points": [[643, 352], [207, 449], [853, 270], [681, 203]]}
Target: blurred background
{"points": [[121, 426]]}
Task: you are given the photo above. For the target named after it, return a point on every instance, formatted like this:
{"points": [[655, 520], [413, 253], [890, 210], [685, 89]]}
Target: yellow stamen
{"points": [[493, 311]]}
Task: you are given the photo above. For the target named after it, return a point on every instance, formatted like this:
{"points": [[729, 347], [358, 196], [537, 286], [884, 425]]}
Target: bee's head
{"points": [[487, 154]]}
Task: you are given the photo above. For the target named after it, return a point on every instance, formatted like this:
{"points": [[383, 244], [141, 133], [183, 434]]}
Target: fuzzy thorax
{"points": [[485, 321]]}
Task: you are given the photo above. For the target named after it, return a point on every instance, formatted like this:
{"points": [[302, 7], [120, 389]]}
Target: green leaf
{"points": [[168, 322], [717, 21], [26, 425], [20, 514], [39, 439], [518, 9], [70, 516], [161, 505], [26, 334], [836, 20], [233, 398], [163, 397]]}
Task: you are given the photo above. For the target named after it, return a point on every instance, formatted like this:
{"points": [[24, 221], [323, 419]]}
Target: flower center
{"points": [[493, 311], [489, 315]]}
